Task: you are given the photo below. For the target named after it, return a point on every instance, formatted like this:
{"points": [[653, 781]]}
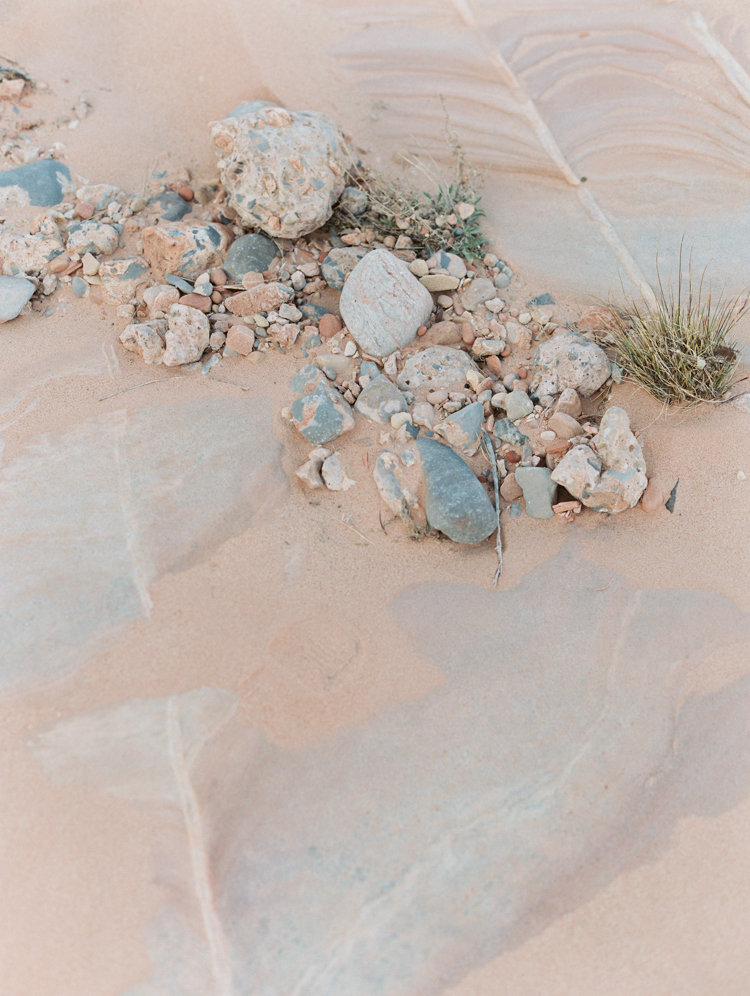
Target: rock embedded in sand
{"points": [[568, 403], [186, 252], [170, 206], [15, 292], [612, 479], [264, 297], [251, 253], [187, 335], [90, 236], [461, 430], [569, 360], [396, 497], [436, 368], [29, 253], [455, 501], [339, 263], [539, 491], [380, 399], [147, 339], [283, 170], [334, 476], [478, 291], [652, 498], [43, 183], [120, 278], [321, 415], [383, 304], [240, 339]]}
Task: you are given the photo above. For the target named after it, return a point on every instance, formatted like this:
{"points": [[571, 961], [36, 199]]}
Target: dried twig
{"points": [[348, 525], [135, 387], [489, 449]]}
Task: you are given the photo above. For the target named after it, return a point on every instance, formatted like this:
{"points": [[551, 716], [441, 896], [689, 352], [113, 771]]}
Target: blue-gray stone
{"points": [[369, 369], [179, 283], [46, 181], [313, 341], [540, 300], [517, 405], [322, 415], [502, 280], [354, 200], [304, 376], [462, 428], [515, 510], [455, 501], [506, 432], [380, 399], [171, 206], [251, 253], [339, 263], [539, 490], [314, 311], [14, 293], [79, 286]]}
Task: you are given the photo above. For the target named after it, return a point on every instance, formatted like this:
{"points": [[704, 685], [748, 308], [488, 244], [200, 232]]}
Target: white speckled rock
{"points": [[187, 335], [283, 170], [30, 253], [436, 368], [569, 360], [383, 304]]}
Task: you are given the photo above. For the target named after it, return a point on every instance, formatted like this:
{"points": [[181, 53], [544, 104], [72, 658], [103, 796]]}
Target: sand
{"points": [[551, 778]]}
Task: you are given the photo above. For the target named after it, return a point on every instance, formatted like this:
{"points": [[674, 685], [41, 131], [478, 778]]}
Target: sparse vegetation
{"points": [[680, 351]]}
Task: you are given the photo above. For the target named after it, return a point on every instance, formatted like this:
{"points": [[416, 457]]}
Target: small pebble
{"points": [[741, 475], [261, 321], [79, 286], [350, 349], [419, 268], [216, 297], [547, 435], [218, 277], [525, 318], [329, 325], [84, 210], [186, 193], [197, 301], [138, 204], [444, 301], [468, 335]]}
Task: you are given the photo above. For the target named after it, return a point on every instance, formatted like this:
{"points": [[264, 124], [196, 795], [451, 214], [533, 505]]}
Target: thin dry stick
{"points": [[135, 387], [348, 526], [489, 449]]}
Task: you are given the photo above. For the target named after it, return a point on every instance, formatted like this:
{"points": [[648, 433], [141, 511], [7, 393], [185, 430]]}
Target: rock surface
{"points": [[251, 253], [339, 263], [436, 368], [396, 497], [28, 253], [383, 304], [321, 415], [455, 501], [92, 237], [334, 476], [539, 491], [264, 297], [170, 205], [283, 170], [15, 292], [120, 278], [612, 479], [461, 430], [568, 360], [187, 335]]}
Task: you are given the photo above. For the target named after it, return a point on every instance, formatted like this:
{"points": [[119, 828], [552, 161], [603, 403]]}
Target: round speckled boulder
{"points": [[283, 170], [566, 360]]}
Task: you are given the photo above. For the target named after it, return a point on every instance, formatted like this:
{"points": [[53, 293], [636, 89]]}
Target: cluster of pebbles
{"points": [[425, 347]]}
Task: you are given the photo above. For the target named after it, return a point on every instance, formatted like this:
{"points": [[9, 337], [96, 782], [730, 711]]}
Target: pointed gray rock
{"points": [[455, 501], [461, 430]]}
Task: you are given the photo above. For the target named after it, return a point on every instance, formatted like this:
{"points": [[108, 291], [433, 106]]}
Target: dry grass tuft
{"points": [[680, 351]]}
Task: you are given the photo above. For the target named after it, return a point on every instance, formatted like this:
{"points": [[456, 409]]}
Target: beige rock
{"points": [[187, 335], [334, 476], [267, 297], [564, 426], [569, 403], [241, 340], [510, 489], [121, 278], [653, 497], [160, 297], [186, 252]]}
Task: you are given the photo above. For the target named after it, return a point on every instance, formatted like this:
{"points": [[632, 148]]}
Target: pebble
{"points": [[90, 236], [388, 484], [58, 264], [447, 263], [354, 200], [501, 281], [383, 304], [251, 253], [90, 265], [218, 277], [539, 491], [240, 339], [339, 263], [380, 400], [170, 206], [568, 403], [138, 204], [289, 312], [462, 429], [445, 301], [564, 426], [299, 281], [198, 301], [350, 349], [468, 335], [455, 501], [436, 283], [443, 334], [309, 474], [524, 318], [251, 280], [179, 283], [510, 489], [79, 286], [15, 292], [518, 404], [100, 195], [265, 297], [741, 475], [84, 210], [401, 418], [329, 325], [652, 498], [334, 476], [437, 397], [185, 192], [506, 431], [478, 291], [283, 170], [419, 268], [423, 414], [322, 415], [121, 278], [43, 183], [188, 251]]}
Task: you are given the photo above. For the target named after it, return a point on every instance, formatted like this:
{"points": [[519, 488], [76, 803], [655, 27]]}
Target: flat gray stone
{"points": [[14, 293], [383, 304], [339, 263], [436, 368], [40, 184], [462, 429], [251, 253], [380, 399], [170, 205], [506, 431], [322, 415], [455, 501], [517, 405], [539, 491], [79, 286]]}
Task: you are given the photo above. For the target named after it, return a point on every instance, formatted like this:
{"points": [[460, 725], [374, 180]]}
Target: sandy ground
{"points": [[579, 737]]}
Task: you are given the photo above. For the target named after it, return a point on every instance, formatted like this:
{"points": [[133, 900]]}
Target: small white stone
{"points": [[400, 418], [548, 435], [741, 475], [350, 349], [525, 318]]}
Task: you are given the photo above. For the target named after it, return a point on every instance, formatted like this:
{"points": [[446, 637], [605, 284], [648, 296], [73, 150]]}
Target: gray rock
{"points": [[354, 200], [339, 263], [506, 432], [455, 501], [334, 476], [41, 184], [14, 294], [436, 368], [380, 399], [283, 170], [539, 491], [90, 236], [308, 374], [501, 281], [79, 286], [569, 360], [389, 486], [611, 480], [478, 291], [540, 301], [322, 415], [170, 205], [251, 253], [179, 283], [188, 251], [517, 405], [314, 311], [448, 263], [101, 195], [383, 304], [462, 429]]}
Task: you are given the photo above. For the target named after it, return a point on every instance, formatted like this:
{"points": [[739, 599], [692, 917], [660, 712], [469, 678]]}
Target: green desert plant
{"points": [[680, 350]]}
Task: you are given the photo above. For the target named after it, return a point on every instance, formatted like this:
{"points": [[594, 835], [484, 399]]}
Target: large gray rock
{"points": [[569, 360], [436, 368], [40, 184], [380, 399], [14, 293], [251, 253], [383, 304], [612, 479], [283, 170], [455, 501]]}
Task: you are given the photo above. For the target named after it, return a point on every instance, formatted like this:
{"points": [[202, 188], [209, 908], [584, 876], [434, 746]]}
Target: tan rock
{"points": [[187, 252], [329, 325], [187, 335], [160, 297], [241, 340], [267, 297], [443, 334], [564, 426], [653, 497], [569, 403], [510, 489]]}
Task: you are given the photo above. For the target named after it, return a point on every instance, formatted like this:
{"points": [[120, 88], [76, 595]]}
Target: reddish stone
{"points": [[185, 192], [218, 277], [197, 301], [240, 339], [59, 263], [522, 373], [597, 319], [512, 457], [216, 297], [557, 446], [422, 330], [84, 210], [468, 335], [653, 497], [329, 325], [265, 297], [494, 365]]}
